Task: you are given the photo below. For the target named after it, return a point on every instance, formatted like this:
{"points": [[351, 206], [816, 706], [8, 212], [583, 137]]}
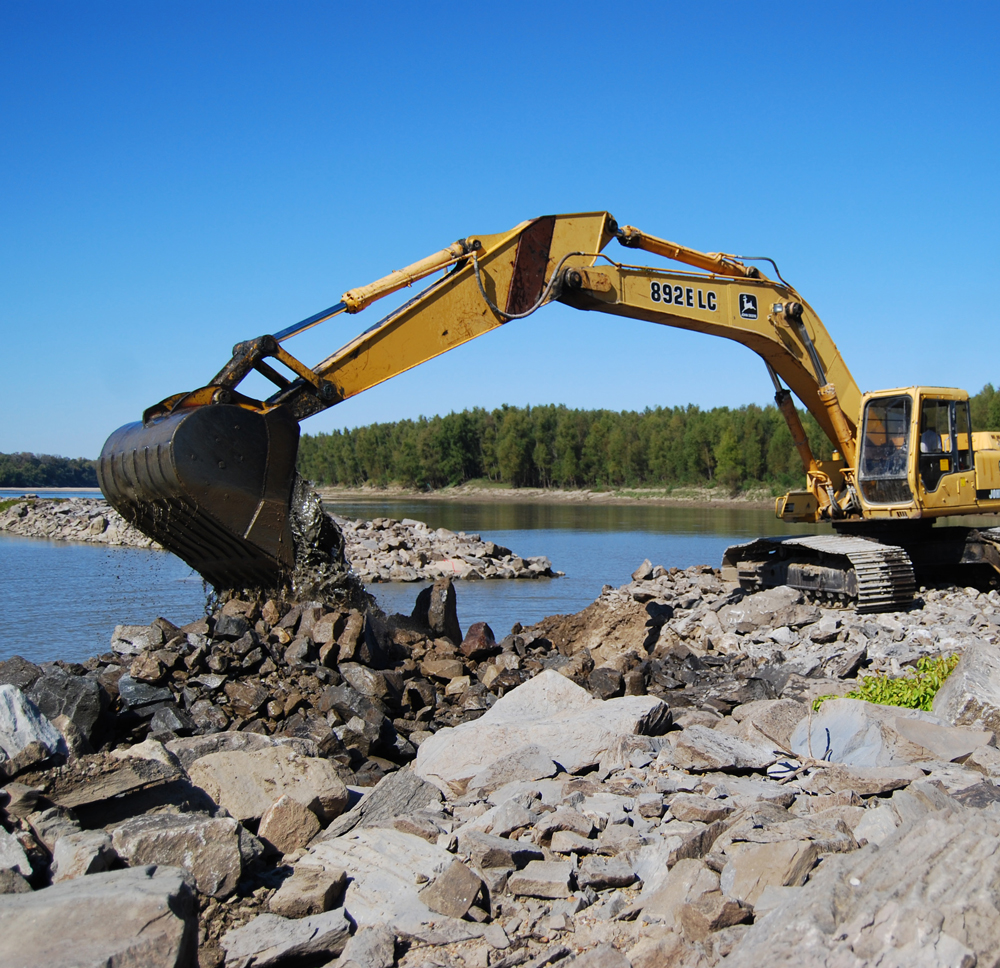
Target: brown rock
{"points": [[711, 912], [246, 698], [691, 806], [442, 668], [310, 890], [347, 641], [288, 825], [148, 667], [479, 642], [757, 866], [453, 892]]}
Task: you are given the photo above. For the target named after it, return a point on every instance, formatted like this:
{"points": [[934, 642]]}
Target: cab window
{"points": [[945, 440], [885, 451]]}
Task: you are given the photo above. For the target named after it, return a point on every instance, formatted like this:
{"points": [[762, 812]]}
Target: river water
{"points": [[63, 600]]}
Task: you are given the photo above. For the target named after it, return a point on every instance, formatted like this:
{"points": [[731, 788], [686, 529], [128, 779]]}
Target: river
{"points": [[63, 600]]}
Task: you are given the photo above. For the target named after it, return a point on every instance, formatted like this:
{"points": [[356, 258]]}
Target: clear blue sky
{"points": [[176, 176]]}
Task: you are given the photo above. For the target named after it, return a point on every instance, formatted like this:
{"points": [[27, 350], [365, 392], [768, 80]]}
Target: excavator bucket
{"points": [[212, 484]]}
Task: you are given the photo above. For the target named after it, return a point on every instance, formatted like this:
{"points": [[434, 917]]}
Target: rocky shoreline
{"points": [[640, 784], [382, 549]]}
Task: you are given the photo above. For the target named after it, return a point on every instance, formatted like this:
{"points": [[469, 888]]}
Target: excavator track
{"points": [[830, 569]]}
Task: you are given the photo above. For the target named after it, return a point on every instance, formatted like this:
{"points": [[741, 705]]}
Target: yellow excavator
{"points": [[210, 473]]}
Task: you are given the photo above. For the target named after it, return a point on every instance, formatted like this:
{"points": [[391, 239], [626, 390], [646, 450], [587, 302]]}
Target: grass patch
{"points": [[915, 690], [9, 503]]}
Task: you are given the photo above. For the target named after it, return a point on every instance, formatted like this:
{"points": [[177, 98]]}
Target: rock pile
{"points": [[641, 784], [384, 549], [379, 550]]}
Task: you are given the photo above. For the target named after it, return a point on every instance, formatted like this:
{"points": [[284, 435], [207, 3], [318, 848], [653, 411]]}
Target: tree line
{"points": [[46, 470], [555, 446]]}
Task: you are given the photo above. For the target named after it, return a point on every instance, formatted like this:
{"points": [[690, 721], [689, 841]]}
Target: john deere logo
{"points": [[748, 305]]}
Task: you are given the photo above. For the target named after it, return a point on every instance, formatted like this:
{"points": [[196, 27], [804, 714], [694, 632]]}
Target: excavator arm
{"points": [[209, 473]]}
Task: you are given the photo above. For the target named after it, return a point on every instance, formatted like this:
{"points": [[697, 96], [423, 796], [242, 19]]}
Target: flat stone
{"points": [[773, 719], [78, 854], [711, 912], [310, 890], [22, 723], [397, 794], [208, 848], [129, 776], [13, 883], [487, 850], [604, 955], [12, 855], [860, 733], [601, 873], [143, 917], [565, 818], [883, 899], [866, 781], [687, 880], [970, 696], [133, 639], [877, 825], [529, 762], [755, 867], [188, 749], [270, 940], [136, 695], [567, 842], [288, 825], [383, 868], [691, 807], [542, 879], [20, 799], [372, 947], [247, 783], [549, 711], [18, 671], [701, 749], [453, 892]]}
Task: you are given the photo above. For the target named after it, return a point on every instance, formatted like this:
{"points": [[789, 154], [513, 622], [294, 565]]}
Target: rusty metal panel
{"points": [[530, 263]]}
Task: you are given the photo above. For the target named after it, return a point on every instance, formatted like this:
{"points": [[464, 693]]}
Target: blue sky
{"points": [[175, 177]]}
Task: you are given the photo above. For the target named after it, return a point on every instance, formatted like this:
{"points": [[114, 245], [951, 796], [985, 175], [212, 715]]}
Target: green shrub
{"points": [[915, 690]]}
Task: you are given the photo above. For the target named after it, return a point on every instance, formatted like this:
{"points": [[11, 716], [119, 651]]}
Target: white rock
{"points": [[22, 723], [549, 711]]}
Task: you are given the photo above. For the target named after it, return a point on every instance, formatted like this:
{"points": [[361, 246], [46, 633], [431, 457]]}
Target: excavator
{"points": [[210, 473]]}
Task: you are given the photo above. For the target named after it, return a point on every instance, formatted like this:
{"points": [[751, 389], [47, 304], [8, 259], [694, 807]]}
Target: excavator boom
{"points": [[210, 473]]}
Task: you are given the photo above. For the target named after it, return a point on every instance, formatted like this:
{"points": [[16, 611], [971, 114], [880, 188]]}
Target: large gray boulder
{"points": [[859, 733], [247, 783], [927, 897], [550, 712], [208, 848], [57, 693], [145, 917], [970, 696]]}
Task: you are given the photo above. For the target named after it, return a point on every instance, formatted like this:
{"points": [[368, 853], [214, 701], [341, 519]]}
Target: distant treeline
{"points": [[44, 470], [554, 446]]}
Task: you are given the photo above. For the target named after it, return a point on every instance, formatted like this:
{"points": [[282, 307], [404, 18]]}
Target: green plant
{"points": [[9, 503], [915, 690]]}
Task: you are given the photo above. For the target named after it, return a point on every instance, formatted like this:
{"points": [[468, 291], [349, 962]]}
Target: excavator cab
{"points": [[916, 457]]}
